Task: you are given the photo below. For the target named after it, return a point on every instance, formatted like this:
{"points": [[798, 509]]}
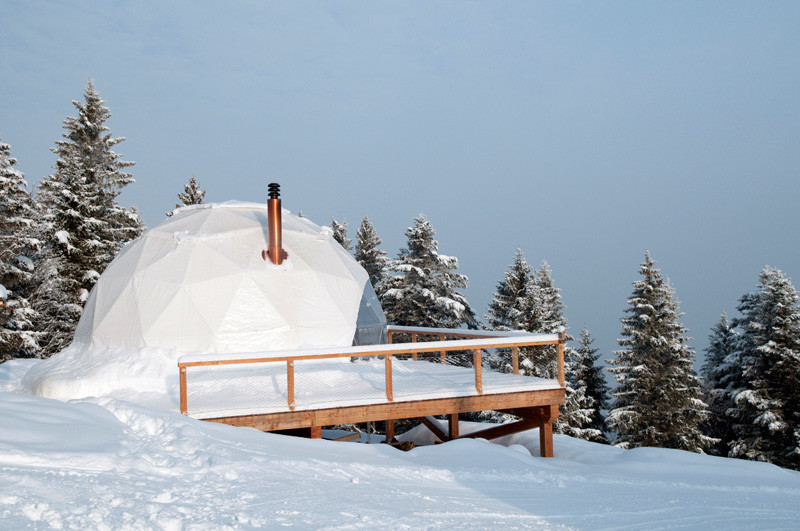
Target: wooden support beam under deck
{"points": [[452, 425], [538, 408], [433, 425]]}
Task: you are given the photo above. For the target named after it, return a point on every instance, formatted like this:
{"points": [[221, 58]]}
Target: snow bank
{"points": [[109, 464], [146, 376]]}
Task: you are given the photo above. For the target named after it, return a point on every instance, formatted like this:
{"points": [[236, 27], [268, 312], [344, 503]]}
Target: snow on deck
{"points": [[260, 388]]}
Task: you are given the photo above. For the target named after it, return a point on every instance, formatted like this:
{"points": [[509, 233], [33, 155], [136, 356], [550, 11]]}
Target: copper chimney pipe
{"points": [[274, 226]]}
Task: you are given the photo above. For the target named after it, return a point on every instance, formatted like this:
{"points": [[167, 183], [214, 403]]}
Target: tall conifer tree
{"points": [[422, 288], [529, 301], [17, 248], [509, 307], [340, 234], [766, 390], [589, 377], [369, 254], [192, 195], [575, 416], [719, 373], [545, 315], [83, 225], [658, 399]]}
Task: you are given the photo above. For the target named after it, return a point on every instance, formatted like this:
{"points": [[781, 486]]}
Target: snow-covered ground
{"points": [[110, 464]]}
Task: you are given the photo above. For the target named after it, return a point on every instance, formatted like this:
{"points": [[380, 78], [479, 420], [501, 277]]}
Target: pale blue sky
{"points": [[583, 132]]}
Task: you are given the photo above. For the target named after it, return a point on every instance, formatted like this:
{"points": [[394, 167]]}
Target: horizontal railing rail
{"points": [[476, 342]]}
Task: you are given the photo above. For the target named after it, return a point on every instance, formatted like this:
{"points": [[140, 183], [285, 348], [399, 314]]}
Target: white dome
{"points": [[198, 282]]}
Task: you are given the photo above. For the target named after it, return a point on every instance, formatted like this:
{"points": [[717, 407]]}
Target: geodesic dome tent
{"points": [[198, 283]]}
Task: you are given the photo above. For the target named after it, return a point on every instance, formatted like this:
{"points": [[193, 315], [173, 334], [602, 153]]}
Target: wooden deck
{"points": [[536, 404]]}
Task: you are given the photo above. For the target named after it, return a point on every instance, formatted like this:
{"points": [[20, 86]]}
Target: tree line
{"points": [[55, 243], [744, 404]]}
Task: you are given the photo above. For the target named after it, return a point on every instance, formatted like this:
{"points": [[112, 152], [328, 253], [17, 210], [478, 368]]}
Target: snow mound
{"points": [[144, 376]]}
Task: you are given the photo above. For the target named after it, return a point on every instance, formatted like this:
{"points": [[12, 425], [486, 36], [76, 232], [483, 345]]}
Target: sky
{"points": [[584, 133]]}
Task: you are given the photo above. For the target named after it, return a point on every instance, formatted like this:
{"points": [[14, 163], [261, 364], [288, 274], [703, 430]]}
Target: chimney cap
{"points": [[274, 190]]}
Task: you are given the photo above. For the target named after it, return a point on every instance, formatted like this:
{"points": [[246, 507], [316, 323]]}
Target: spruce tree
{"points": [[719, 372], [529, 301], [83, 227], [340, 234], [509, 307], [192, 195], [18, 338], [547, 307], [545, 315], [576, 415], [422, 288], [589, 377], [369, 254], [658, 400], [766, 388]]}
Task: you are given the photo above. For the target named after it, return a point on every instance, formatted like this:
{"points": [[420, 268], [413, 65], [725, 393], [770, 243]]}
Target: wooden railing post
{"points": [[562, 336], [290, 383], [414, 340], [184, 406], [452, 425], [476, 360], [443, 353], [515, 359], [389, 392]]}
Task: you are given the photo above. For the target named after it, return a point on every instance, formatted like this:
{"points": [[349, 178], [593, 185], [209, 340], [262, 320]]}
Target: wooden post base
{"points": [[548, 416], [452, 425]]}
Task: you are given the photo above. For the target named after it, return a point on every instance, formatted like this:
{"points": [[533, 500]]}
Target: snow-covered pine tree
{"points": [[508, 308], [719, 372], [18, 338], [192, 195], [658, 400], [340, 234], [369, 254], [422, 288], [589, 377], [545, 314], [530, 301], [575, 416], [766, 390], [83, 225]]}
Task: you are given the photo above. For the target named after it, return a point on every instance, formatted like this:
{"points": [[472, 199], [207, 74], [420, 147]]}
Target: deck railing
{"points": [[469, 340]]}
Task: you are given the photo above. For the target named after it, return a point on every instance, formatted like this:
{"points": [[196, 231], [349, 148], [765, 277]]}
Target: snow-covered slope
{"points": [[110, 464]]}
